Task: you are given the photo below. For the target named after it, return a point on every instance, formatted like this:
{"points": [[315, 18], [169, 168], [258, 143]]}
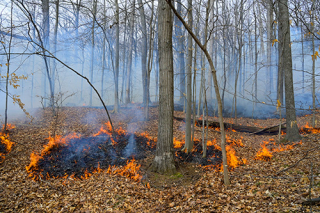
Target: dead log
{"points": [[271, 129], [315, 201]]}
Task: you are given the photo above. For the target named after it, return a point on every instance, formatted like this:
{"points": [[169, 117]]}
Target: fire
{"points": [[130, 170], [307, 128], [283, 148], [214, 143], [85, 149], [177, 144], [9, 126], [5, 145], [232, 159], [53, 144], [264, 153]]}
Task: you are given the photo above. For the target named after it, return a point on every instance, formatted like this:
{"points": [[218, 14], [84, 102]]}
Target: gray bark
{"points": [[164, 158], [286, 61]]}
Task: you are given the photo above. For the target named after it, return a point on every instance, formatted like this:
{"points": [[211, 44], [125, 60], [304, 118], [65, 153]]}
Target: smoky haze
{"points": [[74, 48]]}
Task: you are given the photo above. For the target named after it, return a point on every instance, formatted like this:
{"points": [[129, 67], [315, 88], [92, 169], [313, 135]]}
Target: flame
{"points": [[177, 144], [214, 143], [4, 139], [264, 153], [54, 143], [283, 148], [130, 170], [306, 128], [9, 126]]}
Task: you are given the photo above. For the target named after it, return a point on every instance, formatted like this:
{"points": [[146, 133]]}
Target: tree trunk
{"points": [[216, 88], [164, 158], [188, 143], [117, 61], [129, 61], [286, 61], [180, 52], [94, 12], [314, 57], [144, 50]]}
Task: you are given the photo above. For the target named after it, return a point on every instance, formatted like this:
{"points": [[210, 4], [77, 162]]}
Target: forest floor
{"points": [[280, 184]]}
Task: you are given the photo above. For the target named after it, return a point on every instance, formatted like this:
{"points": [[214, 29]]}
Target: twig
{"points": [[304, 157]]}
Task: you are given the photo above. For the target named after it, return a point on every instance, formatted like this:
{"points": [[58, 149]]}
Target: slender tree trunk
{"points": [[94, 13], [130, 50], [188, 143], [8, 70], [269, 42], [144, 50], [164, 157], [103, 49], [180, 51], [117, 60], [256, 56], [286, 61], [314, 57], [55, 34], [124, 55], [150, 60]]}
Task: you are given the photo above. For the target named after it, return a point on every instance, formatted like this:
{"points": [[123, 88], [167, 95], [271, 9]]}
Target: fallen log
{"points": [[273, 130], [315, 201]]}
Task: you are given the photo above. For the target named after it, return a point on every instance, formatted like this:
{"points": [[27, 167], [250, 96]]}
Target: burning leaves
{"points": [[79, 157], [265, 154], [309, 129], [5, 143]]}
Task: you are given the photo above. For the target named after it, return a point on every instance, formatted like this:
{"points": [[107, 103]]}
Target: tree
{"points": [[117, 60], [189, 143], [144, 49], [180, 52], [164, 157], [216, 88], [286, 65], [129, 61]]}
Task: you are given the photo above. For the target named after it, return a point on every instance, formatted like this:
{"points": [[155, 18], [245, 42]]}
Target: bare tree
{"points": [[216, 87], [286, 66], [164, 157]]}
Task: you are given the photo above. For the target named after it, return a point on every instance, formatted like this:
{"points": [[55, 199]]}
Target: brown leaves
{"points": [[254, 186]]}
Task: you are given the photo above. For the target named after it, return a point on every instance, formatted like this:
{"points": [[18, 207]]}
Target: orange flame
{"points": [[4, 139], [9, 126], [264, 153], [54, 142], [214, 143], [307, 128], [177, 144], [131, 170]]}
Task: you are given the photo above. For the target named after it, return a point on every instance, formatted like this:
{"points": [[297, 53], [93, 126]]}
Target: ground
{"points": [[278, 185]]}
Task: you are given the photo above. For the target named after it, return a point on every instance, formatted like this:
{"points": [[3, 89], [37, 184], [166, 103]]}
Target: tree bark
{"points": [[129, 61], [117, 61], [144, 50], [188, 143], [286, 61], [164, 158]]}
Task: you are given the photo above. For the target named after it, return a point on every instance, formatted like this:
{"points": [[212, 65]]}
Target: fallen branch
{"points": [[304, 157], [268, 128]]}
